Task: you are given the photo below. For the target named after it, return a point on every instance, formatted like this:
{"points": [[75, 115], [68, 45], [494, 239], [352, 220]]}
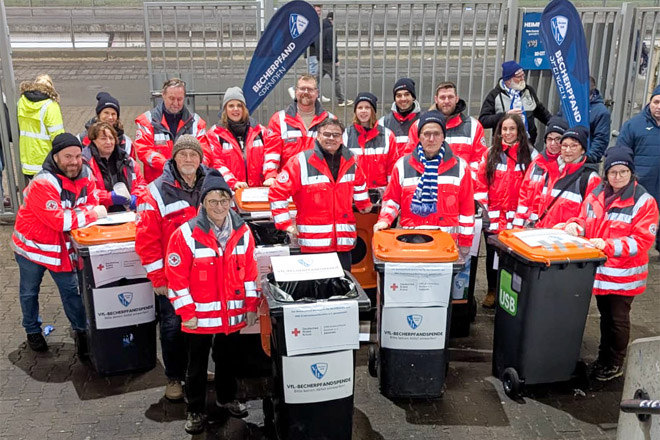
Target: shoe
{"points": [[6, 202], [235, 408], [608, 372], [82, 349], [194, 423], [595, 366], [345, 103], [325, 99], [210, 376], [173, 390], [37, 342], [489, 300], [292, 92]]}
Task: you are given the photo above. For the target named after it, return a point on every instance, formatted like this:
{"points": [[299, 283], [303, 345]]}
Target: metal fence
{"points": [[378, 43]]}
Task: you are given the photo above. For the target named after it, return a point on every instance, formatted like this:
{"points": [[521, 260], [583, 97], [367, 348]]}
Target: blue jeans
{"points": [[172, 342], [31, 275]]}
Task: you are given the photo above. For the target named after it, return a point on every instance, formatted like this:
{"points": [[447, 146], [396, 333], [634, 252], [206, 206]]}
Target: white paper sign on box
{"points": [[321, 326], [549, 238], [318, 378], [116, 218], [124, 305], [417, 284], [414, 328], [307, 267], [114, 261], [257, 194], [263, 255], [474, 249]]}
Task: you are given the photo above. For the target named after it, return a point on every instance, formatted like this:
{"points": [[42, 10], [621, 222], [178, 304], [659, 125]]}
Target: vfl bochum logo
{"points": [[414, 321], [319, 369], [304, 263], [559, 25], [297, 25], [125, 298]]}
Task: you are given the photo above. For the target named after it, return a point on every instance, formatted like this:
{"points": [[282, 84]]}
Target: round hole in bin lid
{"points": [[415, 238]]}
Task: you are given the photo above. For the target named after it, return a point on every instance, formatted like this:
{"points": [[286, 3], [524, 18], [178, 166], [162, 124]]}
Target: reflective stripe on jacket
{"points": [[325, 219], [455, 205], [215, 286]]}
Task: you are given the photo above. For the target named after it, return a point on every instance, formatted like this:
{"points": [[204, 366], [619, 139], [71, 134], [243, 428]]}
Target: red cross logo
{"points": [[394, 287], [295, 332], [100, 267]]}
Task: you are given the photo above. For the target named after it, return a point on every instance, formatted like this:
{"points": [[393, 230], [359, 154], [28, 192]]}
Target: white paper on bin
{"points": [[414, 328], [257, 194], [318, 378], [113, 261], [417, 284], [116, 218], [306, 267], [476, 240], [123, 306], [321, 326], [549, 237]]}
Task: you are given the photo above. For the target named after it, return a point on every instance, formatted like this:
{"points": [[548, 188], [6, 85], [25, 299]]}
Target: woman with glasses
{"points": [[620, 218], [119, 181], [373, 145], [497, 187], [211, 276], [564, 185], [237, 142]]}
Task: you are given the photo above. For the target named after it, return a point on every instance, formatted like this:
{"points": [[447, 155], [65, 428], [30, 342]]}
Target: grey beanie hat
{"points": [[231, 94], [188, 142]]}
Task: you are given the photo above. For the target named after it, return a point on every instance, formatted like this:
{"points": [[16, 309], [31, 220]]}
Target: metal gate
{"points": [[210, 45]]}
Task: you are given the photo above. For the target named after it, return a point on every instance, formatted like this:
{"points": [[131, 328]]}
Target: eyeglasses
{"points": [[571, 147], [431, 134], [622, 173], [213, 203], [553, 140], [307, 89], [329, 135]]}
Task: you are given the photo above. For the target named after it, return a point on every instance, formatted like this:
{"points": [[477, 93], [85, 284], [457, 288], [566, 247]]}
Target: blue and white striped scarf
{"points": [[425, 199], [516, 102]]}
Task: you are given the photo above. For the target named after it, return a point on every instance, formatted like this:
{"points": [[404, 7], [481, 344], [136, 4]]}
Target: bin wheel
{"points": [[373, 360], [581, 378], [511, 383]]}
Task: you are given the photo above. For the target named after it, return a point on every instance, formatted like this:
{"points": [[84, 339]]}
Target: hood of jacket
{"points": [[35, 92]]}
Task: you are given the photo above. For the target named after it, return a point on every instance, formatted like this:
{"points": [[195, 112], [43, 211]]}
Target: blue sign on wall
{"points": [[532, 51]]}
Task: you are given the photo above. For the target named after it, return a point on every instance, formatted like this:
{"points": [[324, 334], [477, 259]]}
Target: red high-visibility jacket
{"points": [[236, 164], [217, 286], [375, 153]]}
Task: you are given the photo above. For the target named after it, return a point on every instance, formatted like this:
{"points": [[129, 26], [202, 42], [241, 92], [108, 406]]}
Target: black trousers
{"points": [[614, 328], [224, 352], [491, 274]]}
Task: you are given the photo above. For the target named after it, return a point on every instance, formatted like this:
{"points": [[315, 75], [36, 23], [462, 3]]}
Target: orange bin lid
{"points": [[104, 234], [437, 247], [255, 199], [548, 245]]}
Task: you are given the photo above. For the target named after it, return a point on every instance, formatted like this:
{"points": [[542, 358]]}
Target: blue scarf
{"points": [[425, 199]]}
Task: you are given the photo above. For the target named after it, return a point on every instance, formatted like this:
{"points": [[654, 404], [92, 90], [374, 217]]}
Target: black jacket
{"points": [[329, 43]]}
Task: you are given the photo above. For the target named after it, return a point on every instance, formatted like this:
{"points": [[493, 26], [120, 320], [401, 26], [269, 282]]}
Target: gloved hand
{"points": [[251, 318], [160, 290], [464, 252], [117, 199], [240, 185], [574, 229], [191, 323], [269, 181], [133, 202], [100, 211], [380, 225], [598, 243]]}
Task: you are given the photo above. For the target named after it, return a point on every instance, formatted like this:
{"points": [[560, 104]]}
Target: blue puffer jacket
{"points": [[599, 124], [642, 134]]}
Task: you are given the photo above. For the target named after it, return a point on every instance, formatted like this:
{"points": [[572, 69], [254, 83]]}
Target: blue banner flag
{"points": [[566, 48], [291, 30]]}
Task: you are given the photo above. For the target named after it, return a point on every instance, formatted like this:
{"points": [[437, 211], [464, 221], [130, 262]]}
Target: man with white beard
{"points": [[513, 95]]}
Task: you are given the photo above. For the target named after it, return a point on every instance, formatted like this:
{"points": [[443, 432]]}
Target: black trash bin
{"points": [[545, 279], [118, 300], [411, 359], [299, 407]]}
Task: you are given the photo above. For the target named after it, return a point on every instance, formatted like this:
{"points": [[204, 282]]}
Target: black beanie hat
{"points": [[405, 84], [580, 134], [105, 100], [432, 116], [367, 97], [214, 181], [619, 156], [556, 125], [65, 140]]}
